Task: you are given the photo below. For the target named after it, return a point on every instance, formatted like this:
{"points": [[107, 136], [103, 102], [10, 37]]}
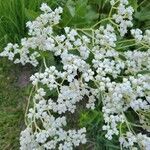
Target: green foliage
{"points": [[143, 15], [12, 21], [93, 121], [134, 4], [78, 13]]}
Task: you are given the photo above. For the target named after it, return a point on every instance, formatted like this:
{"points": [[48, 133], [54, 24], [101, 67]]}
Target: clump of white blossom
{"points": [[131, 141], [117, 75], [52, 133], [123, 16]]}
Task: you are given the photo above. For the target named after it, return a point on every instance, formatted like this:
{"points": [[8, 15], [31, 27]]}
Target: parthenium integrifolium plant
{"points": [[116, 75]]}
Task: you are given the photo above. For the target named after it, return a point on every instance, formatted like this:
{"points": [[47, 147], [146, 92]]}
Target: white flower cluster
{"points": [[52, 127], [51, 134], [132, 92], [131, 140], [123, 17], [40, 39], [140, 37], [119, 79], [137, 61], [137, 33], [117, 76], [49, 77], [68, 95], [105, 37], [25, 56], [72, 64]]}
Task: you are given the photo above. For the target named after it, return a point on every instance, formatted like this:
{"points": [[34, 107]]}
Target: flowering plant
{"points": [[97, 69]]}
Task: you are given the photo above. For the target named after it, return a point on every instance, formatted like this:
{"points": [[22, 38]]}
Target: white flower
{"points": [[123, 17], [45, 8], [137, 33]]}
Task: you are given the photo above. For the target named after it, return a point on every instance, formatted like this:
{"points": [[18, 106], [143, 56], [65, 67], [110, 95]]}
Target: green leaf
{"points": [[98, 2], [134, 4], [71, 10], [31, 14], [78, 13], [143, 14], [147, 24], [91, 118]]}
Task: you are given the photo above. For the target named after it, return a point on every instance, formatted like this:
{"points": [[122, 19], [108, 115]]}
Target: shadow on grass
{"points": [[13, 98]]}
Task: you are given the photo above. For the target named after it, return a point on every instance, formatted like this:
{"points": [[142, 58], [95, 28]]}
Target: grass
{"points": [[12, 21], [12, 105], [13, 100]]}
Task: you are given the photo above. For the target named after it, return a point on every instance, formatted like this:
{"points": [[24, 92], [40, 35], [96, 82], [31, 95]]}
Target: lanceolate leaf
{"points": [[143, 14], [78, 13], [134, 4]]}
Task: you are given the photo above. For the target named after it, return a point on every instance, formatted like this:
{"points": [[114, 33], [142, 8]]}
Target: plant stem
{"points": [[100, 22], [27, 107]]}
